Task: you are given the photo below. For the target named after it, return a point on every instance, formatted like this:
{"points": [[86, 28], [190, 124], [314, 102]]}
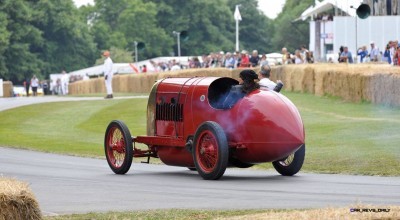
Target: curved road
{"points": [[66, 184]]}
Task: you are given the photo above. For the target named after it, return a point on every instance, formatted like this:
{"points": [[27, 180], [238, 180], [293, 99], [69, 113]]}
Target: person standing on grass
{"points": [[64, 83], [34, 85], [27, 84], [108, 74]]}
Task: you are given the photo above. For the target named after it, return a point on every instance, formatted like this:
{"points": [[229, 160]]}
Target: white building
{"points": [[334, 23]]}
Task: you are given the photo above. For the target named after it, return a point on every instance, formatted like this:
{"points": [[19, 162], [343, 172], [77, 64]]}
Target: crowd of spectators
{"points": [[390, 54], [233, 60]]}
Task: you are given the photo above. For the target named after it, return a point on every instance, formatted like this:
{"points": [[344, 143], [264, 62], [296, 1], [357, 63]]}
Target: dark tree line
{"points": [[45, 36]]}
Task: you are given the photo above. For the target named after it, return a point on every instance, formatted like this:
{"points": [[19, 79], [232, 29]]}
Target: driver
{"points": [[247, 84]]}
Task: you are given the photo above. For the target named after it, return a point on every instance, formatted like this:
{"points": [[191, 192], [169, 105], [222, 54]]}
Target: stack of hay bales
{"points": [[377, 83], [17, 201]]}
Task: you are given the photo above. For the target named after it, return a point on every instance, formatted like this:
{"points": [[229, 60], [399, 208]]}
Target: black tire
{"points": [[292, 164], [118, 140], [239, 164], [211, 151]]}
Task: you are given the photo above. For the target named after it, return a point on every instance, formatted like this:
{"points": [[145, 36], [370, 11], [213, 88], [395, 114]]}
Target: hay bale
{"points": [[7, 89], [17, 201], [378, 83]]}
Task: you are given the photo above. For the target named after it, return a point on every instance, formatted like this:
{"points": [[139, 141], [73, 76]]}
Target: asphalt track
{"points": [[66, 184]]}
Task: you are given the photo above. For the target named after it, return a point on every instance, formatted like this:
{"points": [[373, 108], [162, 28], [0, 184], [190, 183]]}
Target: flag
{"points": [[237, 15]]}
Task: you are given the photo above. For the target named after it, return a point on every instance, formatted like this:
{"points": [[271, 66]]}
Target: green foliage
{"points": [[21, 61], [42, 37], [117, 56], [69, 44], [288, 33], [45, 36]]}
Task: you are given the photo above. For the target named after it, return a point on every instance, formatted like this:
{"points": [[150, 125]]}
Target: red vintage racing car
{"points": [[188, 126]]}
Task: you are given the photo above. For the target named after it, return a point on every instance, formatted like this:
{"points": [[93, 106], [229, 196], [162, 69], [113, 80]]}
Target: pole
{"points": [[237, 35], [178, 35], [356, 49], [178, 41], [136, 53]]}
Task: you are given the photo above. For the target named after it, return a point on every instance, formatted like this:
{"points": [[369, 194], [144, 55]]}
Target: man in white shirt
{"points": [[108, 74], [64, 83], [374, 54], [264, 75]]}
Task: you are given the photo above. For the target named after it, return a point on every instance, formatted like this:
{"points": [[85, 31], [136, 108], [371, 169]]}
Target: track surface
{"points": [[65, 184]]}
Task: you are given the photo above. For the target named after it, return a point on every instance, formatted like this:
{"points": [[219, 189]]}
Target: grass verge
{"points": [[370, 212], [341, 137]]}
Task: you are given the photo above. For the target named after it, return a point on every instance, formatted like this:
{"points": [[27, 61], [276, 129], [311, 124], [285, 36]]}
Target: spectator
{"points": [[298, 57], [175, 65], [254, 59], [346, 56], [229, 61], [309, 57], [397, 56], [64, 83], [340, 53], [45, 87], [34, 85], [284, 55], [374, 54], [386, 55], [393, 47], [221, 59], [244, 59], [263, 60], [26, 86], [196, 62], [237, 58], [144, 69], [362, 52], [289, 59], [304, 52]]}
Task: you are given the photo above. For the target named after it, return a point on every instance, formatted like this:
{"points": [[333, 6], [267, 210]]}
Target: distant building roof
{"points": [[326, 5]]}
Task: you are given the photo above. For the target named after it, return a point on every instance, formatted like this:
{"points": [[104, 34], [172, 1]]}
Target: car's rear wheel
{"points": [[292, 164], [211, 151], [118, 147]]}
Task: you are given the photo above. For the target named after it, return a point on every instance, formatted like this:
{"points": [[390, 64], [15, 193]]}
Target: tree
{"points": [[208, 23], [288, 33], [68, 43], [21, 61], [118, 24], [4, 42]]}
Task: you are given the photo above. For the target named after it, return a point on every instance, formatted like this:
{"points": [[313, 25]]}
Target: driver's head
{"points": [[248, 75]]}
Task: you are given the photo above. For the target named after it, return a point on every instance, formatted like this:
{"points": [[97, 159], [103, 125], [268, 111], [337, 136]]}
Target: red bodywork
{"points": [[264, 126]]}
